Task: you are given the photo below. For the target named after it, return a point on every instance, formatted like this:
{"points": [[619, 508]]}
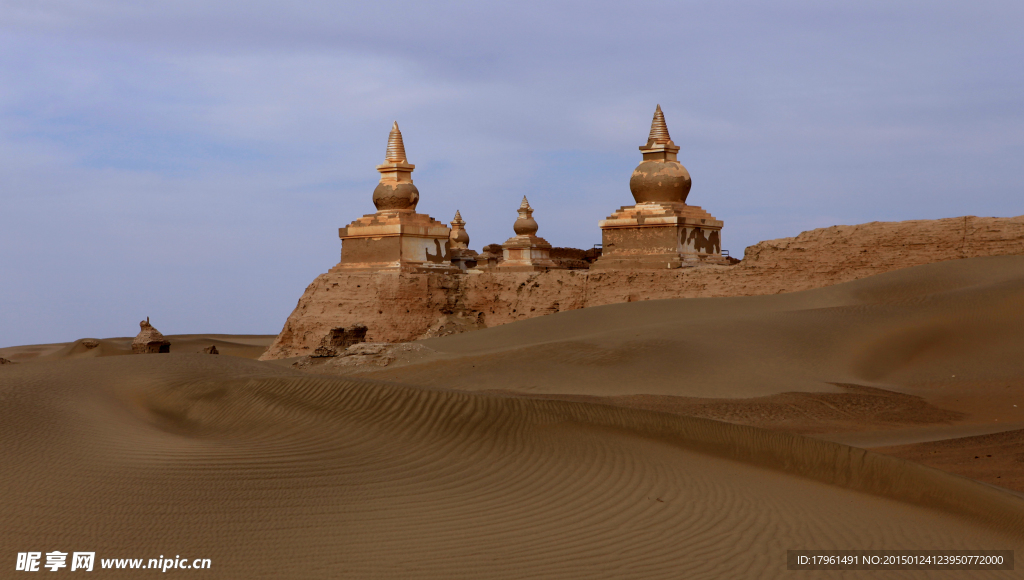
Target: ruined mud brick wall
{"points": [[401, 307], [844, 253]]}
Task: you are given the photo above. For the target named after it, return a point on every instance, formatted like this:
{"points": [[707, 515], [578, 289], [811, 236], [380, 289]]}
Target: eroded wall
{"points": [[400, 307]]}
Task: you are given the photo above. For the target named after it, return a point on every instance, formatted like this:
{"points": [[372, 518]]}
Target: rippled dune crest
{"points": [[271, 473]]}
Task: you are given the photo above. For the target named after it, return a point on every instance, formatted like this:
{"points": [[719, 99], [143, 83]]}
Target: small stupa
{"points": [[661, 230], [458, 241], [149, 340], [395, 237], [526, 252], [459, 238]]}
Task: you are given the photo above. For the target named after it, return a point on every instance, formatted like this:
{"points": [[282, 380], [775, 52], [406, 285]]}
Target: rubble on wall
{"points": [[338, 339]]}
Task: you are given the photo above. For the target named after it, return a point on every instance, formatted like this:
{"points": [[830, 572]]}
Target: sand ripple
{"points": [[276, 474]]}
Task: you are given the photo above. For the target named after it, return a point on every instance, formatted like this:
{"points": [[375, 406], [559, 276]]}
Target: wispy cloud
{"points": [[209, 151]]}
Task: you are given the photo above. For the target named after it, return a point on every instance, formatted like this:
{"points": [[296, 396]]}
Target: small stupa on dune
{"points": [[661, 230], [526, 251], [149, 340], [395, 237]]}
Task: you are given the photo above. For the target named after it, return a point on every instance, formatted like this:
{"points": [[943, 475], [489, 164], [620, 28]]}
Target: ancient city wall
{"points": [[398, 307]]}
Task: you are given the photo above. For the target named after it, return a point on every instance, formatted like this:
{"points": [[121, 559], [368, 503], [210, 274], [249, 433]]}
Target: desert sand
{"points": [[928, 353], [697, 438], [245, 346], [272, 473]]}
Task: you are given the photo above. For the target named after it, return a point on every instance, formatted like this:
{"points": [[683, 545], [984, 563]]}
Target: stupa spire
{"points": [[395, 190], [659, 130], [659, 146], [396, 147]]}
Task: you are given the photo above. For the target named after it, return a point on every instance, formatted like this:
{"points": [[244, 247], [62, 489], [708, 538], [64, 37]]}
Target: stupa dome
{"points": [[525, 224], [660, 177]]}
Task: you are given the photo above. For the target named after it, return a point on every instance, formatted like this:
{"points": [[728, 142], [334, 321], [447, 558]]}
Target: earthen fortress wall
{"points": [[398, 306]]}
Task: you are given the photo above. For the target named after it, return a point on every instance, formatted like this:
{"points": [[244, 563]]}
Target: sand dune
{"points": [[916, 327], [922, 354], [242, 345], [938, 343], [272, 473], [643, 440]]}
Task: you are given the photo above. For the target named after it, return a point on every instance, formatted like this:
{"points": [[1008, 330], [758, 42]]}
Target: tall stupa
{"points": [[395, 237], [661, 230]]}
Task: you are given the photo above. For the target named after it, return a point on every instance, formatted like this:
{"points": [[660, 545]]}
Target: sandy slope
{"points": [[925, 353], [934, 326], [995, 458], [949, 333], [272, 473]]}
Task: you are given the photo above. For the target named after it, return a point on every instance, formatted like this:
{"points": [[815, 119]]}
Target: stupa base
{"points": [[526, 253], [659, 235], [395, 240]]}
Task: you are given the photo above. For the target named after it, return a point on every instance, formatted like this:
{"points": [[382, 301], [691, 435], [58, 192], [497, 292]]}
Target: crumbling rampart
{"points": [[398, 306]]}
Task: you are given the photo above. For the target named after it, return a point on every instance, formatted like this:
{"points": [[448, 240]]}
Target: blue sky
{"points": [[192, 161]]}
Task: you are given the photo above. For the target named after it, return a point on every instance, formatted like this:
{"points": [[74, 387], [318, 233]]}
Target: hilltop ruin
{"points": [[404, 276]]}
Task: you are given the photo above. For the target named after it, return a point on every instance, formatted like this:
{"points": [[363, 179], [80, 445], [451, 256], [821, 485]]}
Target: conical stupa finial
{"points": [[659, 130], [396, 148], [458, 216], [525, 204]]}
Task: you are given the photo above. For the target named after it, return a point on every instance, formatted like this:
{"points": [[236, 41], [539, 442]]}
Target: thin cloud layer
{"points": [[210, 151]]}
